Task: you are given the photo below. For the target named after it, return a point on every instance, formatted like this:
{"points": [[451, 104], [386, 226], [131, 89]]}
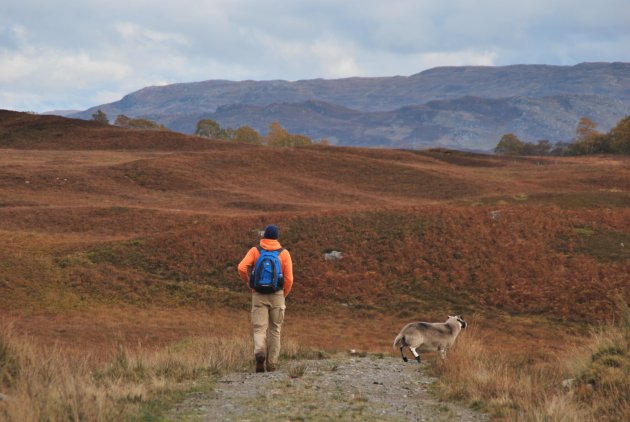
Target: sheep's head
{"points": [[459, 319]]}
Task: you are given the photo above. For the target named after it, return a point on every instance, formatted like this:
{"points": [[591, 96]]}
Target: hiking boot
{"points": [[260, 362], [270, 367]]}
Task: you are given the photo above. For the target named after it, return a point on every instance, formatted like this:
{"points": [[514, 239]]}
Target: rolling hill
{"points": [[135, 217]]}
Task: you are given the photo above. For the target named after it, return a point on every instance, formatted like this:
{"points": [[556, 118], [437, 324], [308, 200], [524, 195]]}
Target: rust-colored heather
{"points": [[531, 259]]}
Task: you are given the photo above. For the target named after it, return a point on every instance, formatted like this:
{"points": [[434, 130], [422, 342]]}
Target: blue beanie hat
{"points": [[271, 232]]}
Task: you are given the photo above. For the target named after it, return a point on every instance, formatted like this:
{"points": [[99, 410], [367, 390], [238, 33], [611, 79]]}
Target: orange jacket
{"points": [[244, 267]]}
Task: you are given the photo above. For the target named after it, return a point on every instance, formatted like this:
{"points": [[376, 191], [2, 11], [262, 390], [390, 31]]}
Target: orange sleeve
{"points": [[287, 271], [247, 262]]}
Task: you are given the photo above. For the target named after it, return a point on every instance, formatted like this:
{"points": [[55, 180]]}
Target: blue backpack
{"points": [[266, 274]]}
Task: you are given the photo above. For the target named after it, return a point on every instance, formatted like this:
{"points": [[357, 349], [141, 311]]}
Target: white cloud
{"points": [[458, 58], [325, 57], [59, 70], [19, 33], [147, 38], [14, 67], [337, 61]]}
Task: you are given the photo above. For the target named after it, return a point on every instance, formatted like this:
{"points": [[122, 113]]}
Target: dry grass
{"points": [[586, 381], [602, 370], [48, 384], [297, 370], [124, 380], [508, 388]]}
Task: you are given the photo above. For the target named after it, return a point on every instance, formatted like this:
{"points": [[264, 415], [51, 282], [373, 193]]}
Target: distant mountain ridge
{"points": [[469, 123], [461, 107]]}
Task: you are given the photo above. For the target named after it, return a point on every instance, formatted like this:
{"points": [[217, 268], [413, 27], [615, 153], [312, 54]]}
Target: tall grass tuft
{"points": [[297, 369], [602, 370], [9, 365], [47, 384]]}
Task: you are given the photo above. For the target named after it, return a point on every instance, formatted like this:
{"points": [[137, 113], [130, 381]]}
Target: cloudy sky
{"points": [[74, 54]]}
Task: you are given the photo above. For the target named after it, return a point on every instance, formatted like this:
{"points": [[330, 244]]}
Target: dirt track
{"points": [[368, 388]]}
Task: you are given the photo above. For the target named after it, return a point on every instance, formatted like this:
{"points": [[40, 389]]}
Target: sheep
{"points": [[429, 337]]}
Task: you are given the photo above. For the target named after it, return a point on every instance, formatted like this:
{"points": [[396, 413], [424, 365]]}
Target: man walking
{"points": [[268, 270]]}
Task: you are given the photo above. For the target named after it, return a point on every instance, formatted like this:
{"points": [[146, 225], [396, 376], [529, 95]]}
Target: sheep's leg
{"points": [[443, 353], [403, 355], [416, 354]]}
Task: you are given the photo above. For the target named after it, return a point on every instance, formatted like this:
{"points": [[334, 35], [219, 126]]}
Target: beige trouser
{"points": [[267, 317]]}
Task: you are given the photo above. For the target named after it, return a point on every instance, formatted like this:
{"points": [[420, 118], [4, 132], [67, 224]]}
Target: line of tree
{"points": [[208, 128], [127, 122], [587, 141], [276, 135]]}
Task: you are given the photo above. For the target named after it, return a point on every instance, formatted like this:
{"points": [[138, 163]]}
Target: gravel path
{"points": [[368, 388]]}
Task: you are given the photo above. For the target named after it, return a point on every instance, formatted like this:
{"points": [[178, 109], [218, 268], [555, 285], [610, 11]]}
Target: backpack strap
{"points": [[260, 249]]}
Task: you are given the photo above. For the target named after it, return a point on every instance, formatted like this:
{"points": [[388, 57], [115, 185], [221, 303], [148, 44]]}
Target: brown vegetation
{"points": [[112, 236]]}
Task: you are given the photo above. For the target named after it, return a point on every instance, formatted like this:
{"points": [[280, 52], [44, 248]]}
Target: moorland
{"points": [[118, 244]]}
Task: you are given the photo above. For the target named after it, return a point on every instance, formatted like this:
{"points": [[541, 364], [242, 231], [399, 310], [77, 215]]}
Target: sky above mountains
{"points": [[74, 54]]}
